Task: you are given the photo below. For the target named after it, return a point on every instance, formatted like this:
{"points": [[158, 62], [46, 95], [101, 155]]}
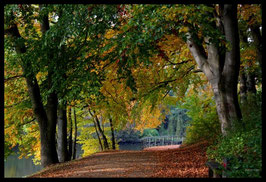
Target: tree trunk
{"points": [[232, 60], [75, 137], [62, 134], [243, 87], [222, 69], [70, 135], [105, 142], [112, 132], [98, 136], [251, 84], [51, 107]]}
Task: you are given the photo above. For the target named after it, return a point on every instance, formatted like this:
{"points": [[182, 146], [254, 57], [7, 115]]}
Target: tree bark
{"points": [[62, 134], [232, 60], [75, 137], [222, 69], [112, 132], [70, 141], [51, 111]]}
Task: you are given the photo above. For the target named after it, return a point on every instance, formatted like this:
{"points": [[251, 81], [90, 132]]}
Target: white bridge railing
{"points": [[161, 141]]}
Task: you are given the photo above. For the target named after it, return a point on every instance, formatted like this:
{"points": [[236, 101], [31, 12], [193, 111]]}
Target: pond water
{"points": [[17, 168], [130, 146]]}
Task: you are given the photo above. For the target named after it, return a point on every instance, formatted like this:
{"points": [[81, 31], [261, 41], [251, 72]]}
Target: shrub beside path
{"points": [[171, 161]]}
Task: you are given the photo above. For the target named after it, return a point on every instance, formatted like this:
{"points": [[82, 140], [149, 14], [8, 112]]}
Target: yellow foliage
{"points": [[149, 119], [110, 33], [183, 29]]}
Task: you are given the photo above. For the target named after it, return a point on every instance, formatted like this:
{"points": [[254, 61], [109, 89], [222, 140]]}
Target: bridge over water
{"points": [[161, 141]]}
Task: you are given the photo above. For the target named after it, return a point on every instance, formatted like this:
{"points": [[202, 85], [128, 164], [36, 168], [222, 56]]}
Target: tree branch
{"points": [[34, 119], [13, 77], [197, 71], [198, 54], [12, 105], [177, 63]]}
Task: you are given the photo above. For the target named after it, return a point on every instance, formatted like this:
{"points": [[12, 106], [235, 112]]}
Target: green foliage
{"points": [[243, 146], [150, 132], [204, 124], [88, 138], [178, 121], [8, 149], [175, 123]]}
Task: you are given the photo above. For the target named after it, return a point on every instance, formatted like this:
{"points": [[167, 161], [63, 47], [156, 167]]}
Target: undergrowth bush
{"points": [[243, 145], [204, 124]]}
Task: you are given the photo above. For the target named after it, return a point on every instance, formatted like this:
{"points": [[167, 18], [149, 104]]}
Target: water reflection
{"points": [[15, 167], [130, 146]]}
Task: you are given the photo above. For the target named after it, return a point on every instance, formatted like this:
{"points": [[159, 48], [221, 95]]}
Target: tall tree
{"points": [[222, 70], [46, 117]]}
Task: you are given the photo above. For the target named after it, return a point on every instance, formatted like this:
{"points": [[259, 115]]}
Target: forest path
{"points": [[106, 164], [188, 161]]}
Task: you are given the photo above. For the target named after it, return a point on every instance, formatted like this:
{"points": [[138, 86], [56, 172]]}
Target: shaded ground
{"points": [[188, 161]]}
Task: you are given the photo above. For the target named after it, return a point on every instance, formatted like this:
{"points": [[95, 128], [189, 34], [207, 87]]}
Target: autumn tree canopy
{"points": [[117, 64]]}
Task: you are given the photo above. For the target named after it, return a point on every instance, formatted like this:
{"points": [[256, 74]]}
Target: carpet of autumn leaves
{"points": [[184, 162]]}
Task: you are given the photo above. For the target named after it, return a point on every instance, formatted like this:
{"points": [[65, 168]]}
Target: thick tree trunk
{"points": [[222, 70], [232, 60], [70, 141], [112, 132], [62, 134], [51, 111], [75, 137]]}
